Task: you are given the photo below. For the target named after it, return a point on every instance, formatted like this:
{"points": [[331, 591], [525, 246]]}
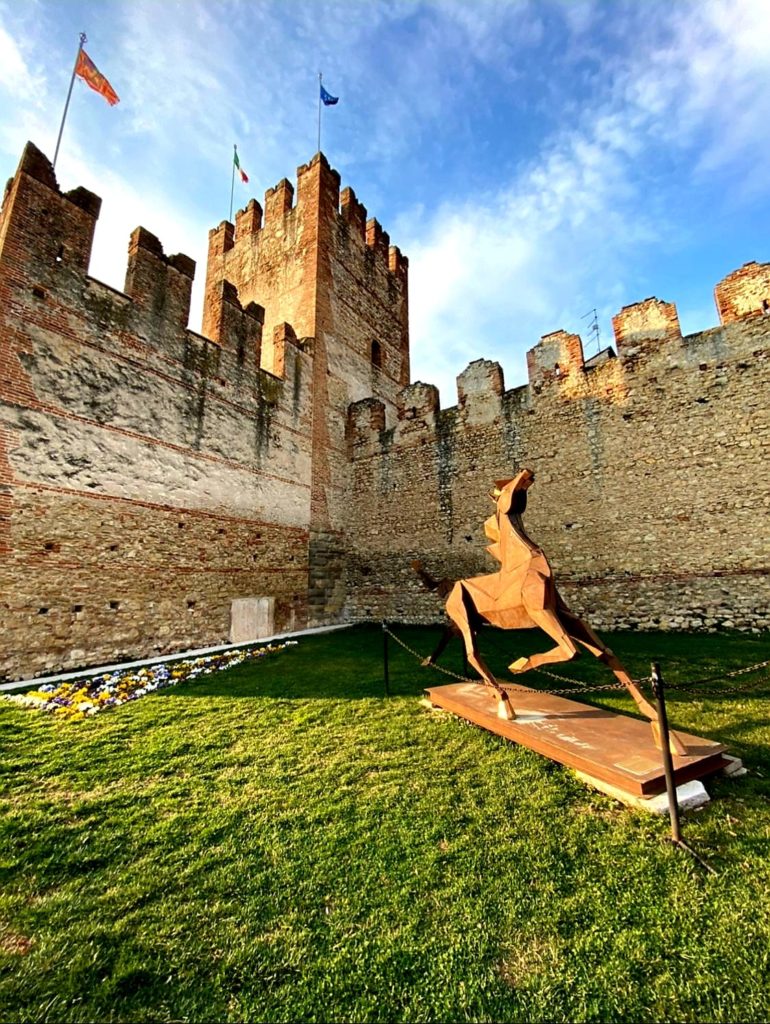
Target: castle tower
{"points": [[325, 273]]}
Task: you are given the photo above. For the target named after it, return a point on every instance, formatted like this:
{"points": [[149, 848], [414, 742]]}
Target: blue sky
{"points": [[533, 159]]}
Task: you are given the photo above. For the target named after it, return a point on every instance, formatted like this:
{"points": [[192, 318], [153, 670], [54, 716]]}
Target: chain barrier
{"points": [[576, 688], [697, 686]]}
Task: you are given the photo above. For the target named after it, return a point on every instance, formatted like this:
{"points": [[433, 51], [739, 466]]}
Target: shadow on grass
{"points": [[348, 665], [340, 666]]}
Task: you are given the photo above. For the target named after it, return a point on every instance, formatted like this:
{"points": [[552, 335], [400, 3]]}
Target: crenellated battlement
{"points": [[159, 284], [630, 454], [55, 229], [221, 239], [150, 475], [237, 329], [353, 214], [377, 239], [645, 326], [248, 220], [418, 409], [649, 343], [743, 293], [278, 201], [480, 390], [557, 357], [47, 272], [398, 264], [305, 309], [366, 420], [318, 190]]}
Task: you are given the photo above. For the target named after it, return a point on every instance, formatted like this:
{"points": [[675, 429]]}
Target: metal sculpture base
{"points": [[602, 744]]}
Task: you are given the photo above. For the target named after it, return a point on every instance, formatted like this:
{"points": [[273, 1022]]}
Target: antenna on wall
{"points": [[594, 337]]}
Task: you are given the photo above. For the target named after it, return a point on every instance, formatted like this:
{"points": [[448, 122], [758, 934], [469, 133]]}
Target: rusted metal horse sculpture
{"points": [[521, 595]]}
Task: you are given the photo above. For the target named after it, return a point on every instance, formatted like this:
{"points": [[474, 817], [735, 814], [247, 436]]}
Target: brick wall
{"points": [[148, 475]]}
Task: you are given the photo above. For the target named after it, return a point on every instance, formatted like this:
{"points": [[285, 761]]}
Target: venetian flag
{"points": [[237, 162], [92, 76]]}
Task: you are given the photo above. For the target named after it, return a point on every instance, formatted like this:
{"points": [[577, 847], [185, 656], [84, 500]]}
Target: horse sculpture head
{"points": [[510, 495]]}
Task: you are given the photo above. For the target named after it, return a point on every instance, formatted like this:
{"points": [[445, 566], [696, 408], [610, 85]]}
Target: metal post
{"points": [[668, 764], [232, 183], [320, 83], [385, 667], [83, 41]]}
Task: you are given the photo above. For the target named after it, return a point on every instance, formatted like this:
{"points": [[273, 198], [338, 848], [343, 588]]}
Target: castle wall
{"points": [[148, 475], [652, 490]]}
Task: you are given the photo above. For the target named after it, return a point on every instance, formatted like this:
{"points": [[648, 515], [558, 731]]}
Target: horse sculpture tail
{"points": [[443, 587]]}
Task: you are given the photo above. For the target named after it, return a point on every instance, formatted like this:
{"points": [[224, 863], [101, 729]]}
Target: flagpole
{"points": [[83, 41], [320, 77], [232, 184]]}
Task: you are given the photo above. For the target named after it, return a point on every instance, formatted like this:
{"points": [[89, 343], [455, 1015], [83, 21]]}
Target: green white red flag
{"points": [[237, 162]]}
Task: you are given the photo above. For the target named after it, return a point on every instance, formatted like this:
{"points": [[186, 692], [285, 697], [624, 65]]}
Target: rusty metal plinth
{"points": [[606, 745]]}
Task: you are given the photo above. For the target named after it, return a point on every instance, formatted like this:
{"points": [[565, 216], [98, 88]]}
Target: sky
{"points": [[534, 159]]}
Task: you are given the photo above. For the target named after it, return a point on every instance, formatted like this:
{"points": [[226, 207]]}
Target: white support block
{"points": [[734, 769], [689, 795]]}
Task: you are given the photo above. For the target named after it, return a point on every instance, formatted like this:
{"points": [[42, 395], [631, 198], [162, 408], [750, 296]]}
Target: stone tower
{"points": [[326, 275]]}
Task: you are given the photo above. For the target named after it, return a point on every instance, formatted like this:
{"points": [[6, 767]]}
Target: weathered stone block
{"points": [[251, 618]]}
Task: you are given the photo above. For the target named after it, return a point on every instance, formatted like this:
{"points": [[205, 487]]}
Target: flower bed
{"points": [[77, 699]]}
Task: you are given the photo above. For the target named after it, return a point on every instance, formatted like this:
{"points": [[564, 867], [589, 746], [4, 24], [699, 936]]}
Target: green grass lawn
{"points": [[280, 842]]}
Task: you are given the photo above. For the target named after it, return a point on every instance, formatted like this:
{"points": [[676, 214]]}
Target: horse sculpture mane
{"points": [[521, 595]]}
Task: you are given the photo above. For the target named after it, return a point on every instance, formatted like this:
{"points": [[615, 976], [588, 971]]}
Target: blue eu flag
{"points": [[327, 99]]}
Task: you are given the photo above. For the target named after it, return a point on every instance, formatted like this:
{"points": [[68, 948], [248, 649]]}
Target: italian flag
{"points": [[237, 162]]}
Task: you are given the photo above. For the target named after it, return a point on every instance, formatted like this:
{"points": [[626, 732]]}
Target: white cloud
{"points": [[127, 207], [18, 75], [493, 274], [579, 15], [14, 74], [177, 72], [490, 277]]}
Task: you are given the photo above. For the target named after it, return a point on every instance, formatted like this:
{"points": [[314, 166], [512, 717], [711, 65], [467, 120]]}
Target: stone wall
{"points": [[149, 476], [652, 490]]}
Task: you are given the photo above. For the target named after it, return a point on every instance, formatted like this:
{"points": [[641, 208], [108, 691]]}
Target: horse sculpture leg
{"points": [[538, 598], [458, 607], [446, 636], [565, 649], [582, 632]]}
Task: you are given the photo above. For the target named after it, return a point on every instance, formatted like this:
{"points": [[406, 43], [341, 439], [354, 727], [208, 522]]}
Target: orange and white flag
{"points": [[92, 76]]}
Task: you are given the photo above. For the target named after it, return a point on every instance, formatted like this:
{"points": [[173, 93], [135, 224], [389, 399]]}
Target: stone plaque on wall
{"points": [[251, 618]]}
